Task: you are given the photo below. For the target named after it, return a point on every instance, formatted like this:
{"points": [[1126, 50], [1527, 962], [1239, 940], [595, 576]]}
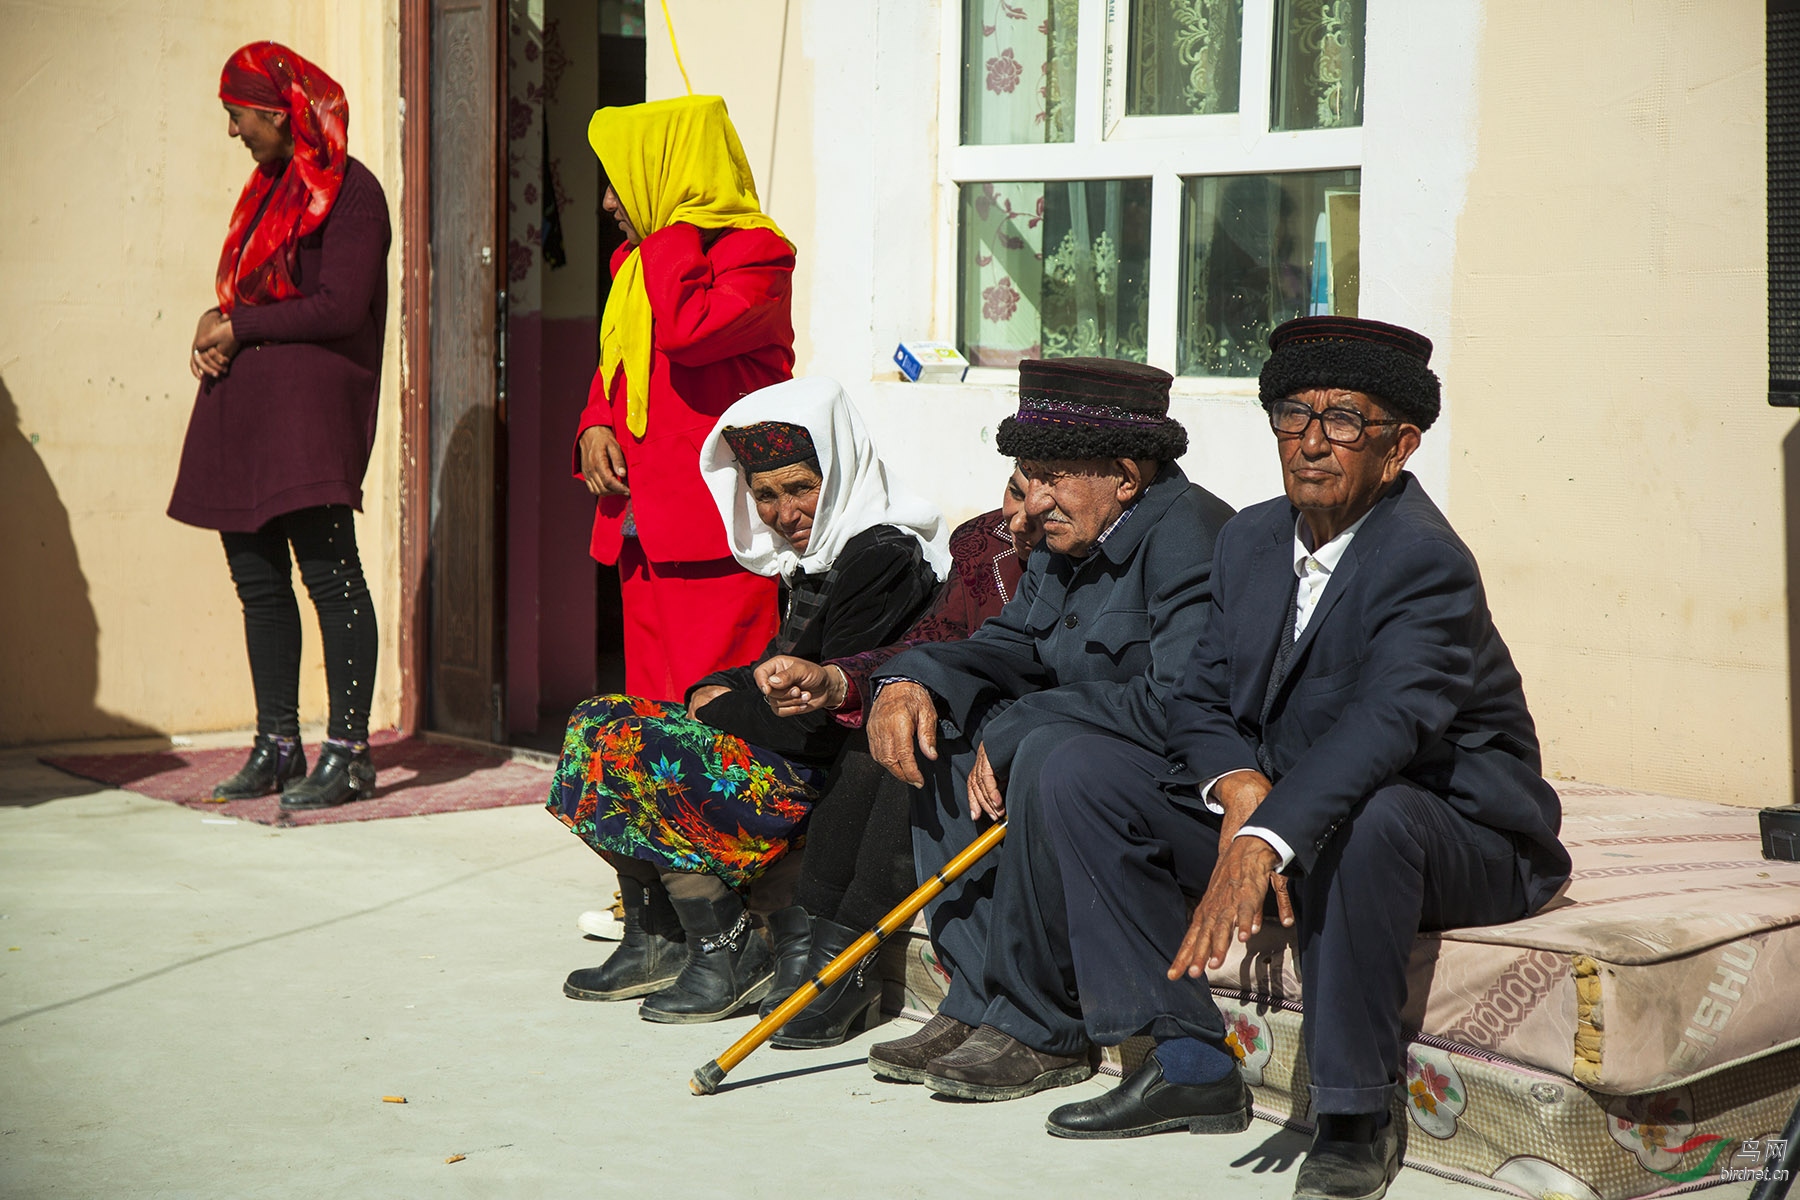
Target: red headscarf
{"points": [[257, 265]]}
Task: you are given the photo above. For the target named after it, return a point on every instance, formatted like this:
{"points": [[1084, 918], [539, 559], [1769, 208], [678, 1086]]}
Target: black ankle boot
{"points": [[649, 958], [340, 776], [728, 968], [270, 767], [854, 1000], [792, 930]]}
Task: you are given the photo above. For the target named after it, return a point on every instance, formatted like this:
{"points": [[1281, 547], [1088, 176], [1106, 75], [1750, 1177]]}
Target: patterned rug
{"points": [[413, 777]]}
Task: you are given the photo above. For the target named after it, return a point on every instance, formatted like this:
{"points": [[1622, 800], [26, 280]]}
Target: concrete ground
{"points": [[195, 1008]]}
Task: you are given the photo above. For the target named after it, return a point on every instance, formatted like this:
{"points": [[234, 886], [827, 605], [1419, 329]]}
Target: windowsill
{"points": [[1185, 387]]}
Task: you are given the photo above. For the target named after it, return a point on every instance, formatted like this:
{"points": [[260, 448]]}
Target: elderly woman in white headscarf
{"points": [[691, 804]]}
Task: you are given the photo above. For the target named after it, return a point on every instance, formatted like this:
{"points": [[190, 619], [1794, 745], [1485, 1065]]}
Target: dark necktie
{"points": [[1284, 655]]}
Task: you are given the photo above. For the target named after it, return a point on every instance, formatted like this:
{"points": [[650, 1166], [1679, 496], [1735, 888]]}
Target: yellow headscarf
{"points": [[671, 162]]}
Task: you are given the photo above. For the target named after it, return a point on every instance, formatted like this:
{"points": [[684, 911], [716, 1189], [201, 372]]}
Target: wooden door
{"points": [[467, 258]]}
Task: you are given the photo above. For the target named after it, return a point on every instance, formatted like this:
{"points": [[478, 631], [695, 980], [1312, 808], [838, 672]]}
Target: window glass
{"points": [[1018, 71], [1050, 270], [1257, 250], [1184, 57], [1318, 64]]}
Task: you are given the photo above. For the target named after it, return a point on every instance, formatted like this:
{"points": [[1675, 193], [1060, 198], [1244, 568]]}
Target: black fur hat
{"points": [[1091, 408], [1387, 362]]}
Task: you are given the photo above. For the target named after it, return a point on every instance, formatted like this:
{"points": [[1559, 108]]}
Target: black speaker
{"points": [[1780, 833]]}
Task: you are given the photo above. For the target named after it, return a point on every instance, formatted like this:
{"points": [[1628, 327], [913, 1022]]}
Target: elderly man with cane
{"points": [[1350, 735], [1094, 640]]}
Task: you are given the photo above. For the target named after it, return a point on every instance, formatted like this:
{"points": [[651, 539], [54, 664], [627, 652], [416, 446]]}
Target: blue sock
{"points": [[1190, 1061]]}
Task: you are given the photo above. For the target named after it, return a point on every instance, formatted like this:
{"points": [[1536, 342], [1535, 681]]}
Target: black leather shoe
{"points": [[791, 930], [650, 956], [1339, 1168], [268, 769], [1146, 1103], [728, 967], [339, 777], [852, 1001]]}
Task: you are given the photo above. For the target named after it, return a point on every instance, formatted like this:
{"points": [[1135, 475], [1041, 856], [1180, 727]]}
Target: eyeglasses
{"points": [[1341, 425]]}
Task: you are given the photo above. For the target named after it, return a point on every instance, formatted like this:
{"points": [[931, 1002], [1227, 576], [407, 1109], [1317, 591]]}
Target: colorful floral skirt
{"points": [[643, 779]]}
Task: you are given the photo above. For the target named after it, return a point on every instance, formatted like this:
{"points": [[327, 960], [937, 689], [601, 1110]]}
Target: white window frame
{"points": [[1110, 145]]}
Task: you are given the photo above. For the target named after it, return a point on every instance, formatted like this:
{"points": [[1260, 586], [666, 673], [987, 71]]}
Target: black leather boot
{"points": [[270, 767], [340, 776], [649, 958], [792, 930], [729, 966], [854, 1001]]}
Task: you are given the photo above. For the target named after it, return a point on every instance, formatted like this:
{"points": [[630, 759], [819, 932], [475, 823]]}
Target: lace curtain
{"points": [[1318, 64], [1259, 250], [1185, 57]]}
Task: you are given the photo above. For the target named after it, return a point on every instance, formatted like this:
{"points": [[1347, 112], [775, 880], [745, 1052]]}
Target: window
{"points": [[1158, 180]]}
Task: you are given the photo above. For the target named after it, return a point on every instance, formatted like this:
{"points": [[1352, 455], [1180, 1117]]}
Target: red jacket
{"points": [[723, 328]]}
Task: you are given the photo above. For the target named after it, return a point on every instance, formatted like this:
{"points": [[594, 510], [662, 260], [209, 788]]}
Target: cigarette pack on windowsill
{"points": [[930, 362]]}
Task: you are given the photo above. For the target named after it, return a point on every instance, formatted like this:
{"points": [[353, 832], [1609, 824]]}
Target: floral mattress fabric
{"points": [[1637, 1037]]}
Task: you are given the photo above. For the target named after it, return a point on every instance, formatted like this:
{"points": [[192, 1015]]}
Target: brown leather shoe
{"points": [[991, 1065], [904, 1060]]}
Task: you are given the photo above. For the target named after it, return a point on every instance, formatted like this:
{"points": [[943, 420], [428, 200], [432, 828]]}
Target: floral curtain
{"points": [[1018, 71], [1054, 269], [1185, 57], [1002, 272]]}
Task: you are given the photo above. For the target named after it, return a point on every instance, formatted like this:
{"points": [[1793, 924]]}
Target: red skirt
{"points": [[683, 621]]}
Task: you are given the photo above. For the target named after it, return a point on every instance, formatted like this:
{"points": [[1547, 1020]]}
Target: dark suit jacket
{"points": [[1399, 674], [1099, 639]]}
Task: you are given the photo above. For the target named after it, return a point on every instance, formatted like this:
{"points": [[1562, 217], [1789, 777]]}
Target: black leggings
{"points": [[324, 540], [859, 858]]}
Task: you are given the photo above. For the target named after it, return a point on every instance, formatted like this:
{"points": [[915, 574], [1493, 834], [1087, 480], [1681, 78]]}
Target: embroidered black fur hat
{"points": [[770, 445], [1092, 408], [1386, 361]]}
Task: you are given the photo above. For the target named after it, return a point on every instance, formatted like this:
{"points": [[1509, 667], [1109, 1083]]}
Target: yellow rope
{"points": [[676, 47]]}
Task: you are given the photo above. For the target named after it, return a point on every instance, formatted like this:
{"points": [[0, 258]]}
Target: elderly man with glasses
{"points": [[1350, 741]]}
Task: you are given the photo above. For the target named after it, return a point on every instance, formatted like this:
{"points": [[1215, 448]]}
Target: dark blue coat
{"points": [[1399, 674], [1099, 639]]}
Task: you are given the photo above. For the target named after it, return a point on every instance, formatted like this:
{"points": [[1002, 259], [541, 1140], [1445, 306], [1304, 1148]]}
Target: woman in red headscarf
{"points": [[289, 364]]}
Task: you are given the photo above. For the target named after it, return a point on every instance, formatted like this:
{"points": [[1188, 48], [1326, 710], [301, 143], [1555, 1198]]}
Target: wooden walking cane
{"points": [[707, 1079]]}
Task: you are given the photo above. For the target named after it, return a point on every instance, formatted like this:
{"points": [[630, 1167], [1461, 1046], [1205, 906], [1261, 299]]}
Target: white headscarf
{"points": [[859, 492]]}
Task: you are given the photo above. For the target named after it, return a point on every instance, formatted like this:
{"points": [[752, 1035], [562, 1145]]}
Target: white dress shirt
{"points": [[1313, 569]]}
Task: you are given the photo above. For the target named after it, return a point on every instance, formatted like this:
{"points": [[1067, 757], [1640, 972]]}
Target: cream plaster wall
{"points": [[120, 179], [749, 52], [1615, 467]]}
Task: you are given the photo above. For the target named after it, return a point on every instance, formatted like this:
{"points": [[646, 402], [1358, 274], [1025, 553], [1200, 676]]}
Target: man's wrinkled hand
{"points": [[1239, 794], [704, 696], [985, 795], [903, 715], [795, 685], [602, 462], [1233, 904]]}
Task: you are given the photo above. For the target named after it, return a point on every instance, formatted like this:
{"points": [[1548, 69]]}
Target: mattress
{"points": [[1673, 953]]}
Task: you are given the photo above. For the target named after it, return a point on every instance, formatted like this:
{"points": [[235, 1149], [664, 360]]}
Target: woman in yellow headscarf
{"points": [[698, 316]]}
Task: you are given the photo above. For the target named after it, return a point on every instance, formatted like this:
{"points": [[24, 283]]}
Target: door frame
{"points": [[416, 426], [415, 358]]}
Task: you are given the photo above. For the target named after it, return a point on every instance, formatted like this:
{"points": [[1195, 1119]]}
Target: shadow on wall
{"points": [[49, 639]]}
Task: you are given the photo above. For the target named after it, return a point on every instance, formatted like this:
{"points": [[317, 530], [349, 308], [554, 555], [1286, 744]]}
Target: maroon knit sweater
{"points": [[292, 424]]}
